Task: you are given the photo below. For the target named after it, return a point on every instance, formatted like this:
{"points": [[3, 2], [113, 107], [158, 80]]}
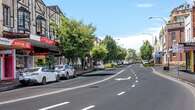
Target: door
{"points": [[8, 67]]}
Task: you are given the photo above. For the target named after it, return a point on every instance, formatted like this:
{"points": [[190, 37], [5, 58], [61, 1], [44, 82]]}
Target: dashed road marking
{"points": [[136, 81], [89, 107], [61, 90], [133, 85], [121, 93], [123, 79], [54, 106]]}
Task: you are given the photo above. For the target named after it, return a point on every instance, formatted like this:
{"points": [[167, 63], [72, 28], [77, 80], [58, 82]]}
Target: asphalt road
{"points": [[128, 88]]}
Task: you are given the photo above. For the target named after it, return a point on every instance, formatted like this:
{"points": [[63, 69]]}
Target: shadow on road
{"points": [[98, 74]]}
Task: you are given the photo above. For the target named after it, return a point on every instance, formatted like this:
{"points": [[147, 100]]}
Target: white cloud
{"points": [[145, 5], [135, 41]]}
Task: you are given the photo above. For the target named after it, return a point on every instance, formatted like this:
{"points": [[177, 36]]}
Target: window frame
{"points": [[23, 20], [7, 17], [40, 26]]}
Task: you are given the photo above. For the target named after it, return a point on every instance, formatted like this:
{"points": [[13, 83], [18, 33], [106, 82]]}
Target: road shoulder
{"points": [[183, 83]]}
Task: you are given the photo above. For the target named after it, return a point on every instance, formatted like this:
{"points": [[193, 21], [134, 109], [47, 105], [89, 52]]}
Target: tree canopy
{"points": [[76, 38], [99, 52], [111, 46], [146, 51]]}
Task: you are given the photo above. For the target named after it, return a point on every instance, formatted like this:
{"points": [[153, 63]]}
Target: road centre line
{"points": [[89, 107], [54, 106], [62, 90]]}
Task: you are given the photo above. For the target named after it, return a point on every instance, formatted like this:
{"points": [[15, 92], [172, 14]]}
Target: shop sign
{"points": [[47, 41], [4, 41], [35, 37], [21, 44]]}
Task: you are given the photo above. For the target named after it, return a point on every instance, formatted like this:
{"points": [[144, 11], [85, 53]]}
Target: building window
{"points": [[173, 35], [41, 26], [6, 16], [174, 54], [23, 20]]}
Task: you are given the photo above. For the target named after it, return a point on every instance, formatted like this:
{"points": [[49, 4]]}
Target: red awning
{"points": [[20, 44]]}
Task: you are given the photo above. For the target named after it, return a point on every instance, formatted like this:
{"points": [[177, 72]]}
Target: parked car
{"points": [[66, 71], [39, 75], [99, 67], [145, 62]]}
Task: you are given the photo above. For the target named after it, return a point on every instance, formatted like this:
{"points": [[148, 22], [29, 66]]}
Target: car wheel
{"points": [[67, 76], [44, 81], [57, 78], [75, 75]]}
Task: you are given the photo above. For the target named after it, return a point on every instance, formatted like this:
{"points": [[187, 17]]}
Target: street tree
{"points": [[111, 46], [131, 55], [76, 39], [99, 52], [146, 51], [121, 53]]}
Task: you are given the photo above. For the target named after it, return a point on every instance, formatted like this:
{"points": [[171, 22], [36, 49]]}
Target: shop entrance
{"points": [[8, 66]]}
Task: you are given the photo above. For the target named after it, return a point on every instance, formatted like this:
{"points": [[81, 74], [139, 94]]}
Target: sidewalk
{"points": [[173, 72], [9, 85]]}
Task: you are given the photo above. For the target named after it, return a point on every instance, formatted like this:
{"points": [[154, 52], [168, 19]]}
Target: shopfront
{"points": [[24, 54], [189, 49], [7, 60]]}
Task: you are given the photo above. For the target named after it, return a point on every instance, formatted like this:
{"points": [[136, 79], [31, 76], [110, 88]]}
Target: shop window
{"points": [[6, 16], [174, 54], [23, 20]]}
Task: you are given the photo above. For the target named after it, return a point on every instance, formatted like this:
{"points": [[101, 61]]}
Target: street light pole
{"points": [[165, 22]]}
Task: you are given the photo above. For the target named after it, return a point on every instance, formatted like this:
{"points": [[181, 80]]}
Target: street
{"points": [[128, 88]]}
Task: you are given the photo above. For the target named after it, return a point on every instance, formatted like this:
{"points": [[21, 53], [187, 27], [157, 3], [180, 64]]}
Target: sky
{"points": [[126, 20]]}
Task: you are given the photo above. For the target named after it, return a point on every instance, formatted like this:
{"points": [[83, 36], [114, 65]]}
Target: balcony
{"points": [[175, 26]]}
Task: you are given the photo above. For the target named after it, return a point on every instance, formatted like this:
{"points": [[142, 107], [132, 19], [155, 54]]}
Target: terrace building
{"points": [[26, 36]]}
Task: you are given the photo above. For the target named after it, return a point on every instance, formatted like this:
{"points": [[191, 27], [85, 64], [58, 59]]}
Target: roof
{"points": [[55, 8]]}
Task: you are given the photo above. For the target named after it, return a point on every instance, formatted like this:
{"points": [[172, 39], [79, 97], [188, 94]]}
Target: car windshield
{"points": [[58, 67], [31, 70]]}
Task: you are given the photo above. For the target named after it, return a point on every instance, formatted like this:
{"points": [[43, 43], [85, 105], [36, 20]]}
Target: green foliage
{"points": [[149, 65], [99, 52], [131, 55], [49, 62], [40, 62], [121, 53], [146, 51], [111, 46], [76, 38]]}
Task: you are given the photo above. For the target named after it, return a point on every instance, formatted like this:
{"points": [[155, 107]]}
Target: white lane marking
{"points": [[121, 93], [89, 107], [133, 85], [136, 81], [123, 79], [54, 106], [62, 90], [136, 78]]}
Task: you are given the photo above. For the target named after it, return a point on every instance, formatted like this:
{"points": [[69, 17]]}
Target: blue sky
{"points": [[124, 19]]}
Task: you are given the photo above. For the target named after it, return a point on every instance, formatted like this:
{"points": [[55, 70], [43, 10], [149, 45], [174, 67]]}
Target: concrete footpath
{"points": [[190, 77]]}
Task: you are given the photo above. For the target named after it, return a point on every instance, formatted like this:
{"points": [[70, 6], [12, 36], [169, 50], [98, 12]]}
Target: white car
{"points": [[39, 75], [65, 71], [99, 67], [145, 62]]}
